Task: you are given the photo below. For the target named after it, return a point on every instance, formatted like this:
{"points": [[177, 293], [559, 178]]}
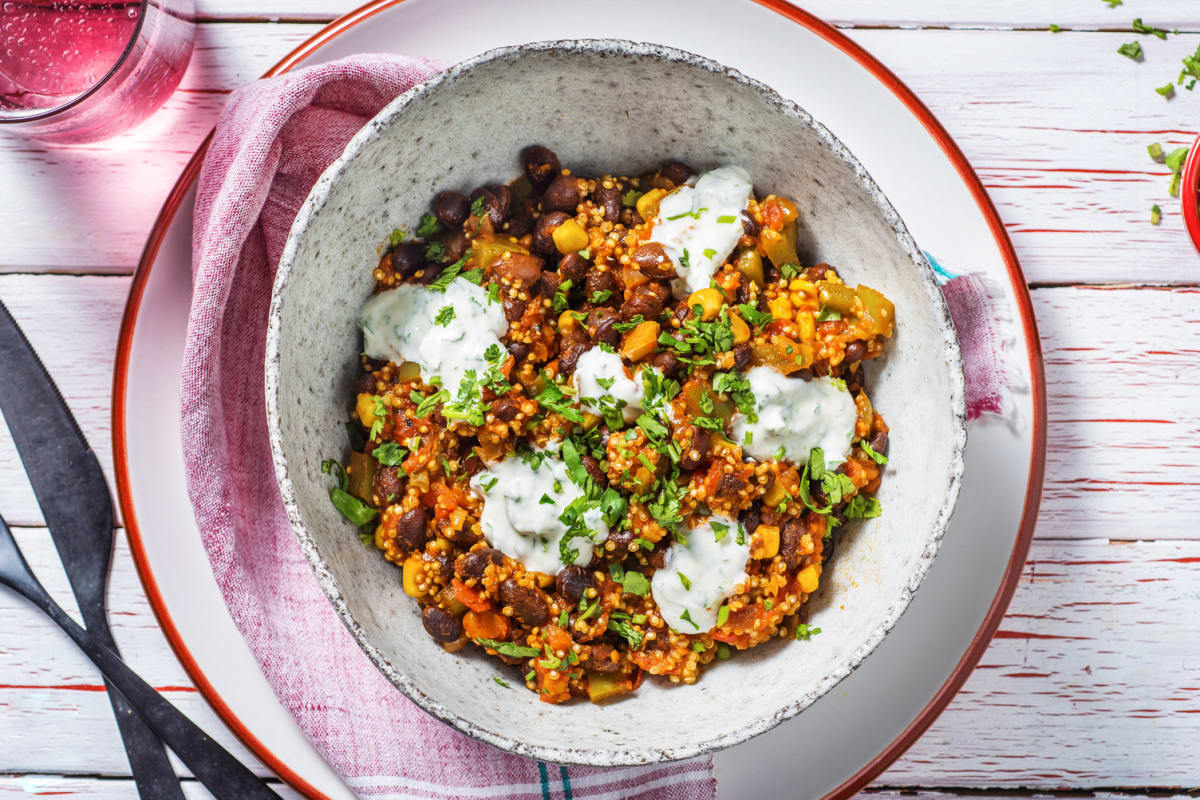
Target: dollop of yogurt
{"points": [[700, 225], [601, 384], [412, 323], [523, 497], [797, 415], [699, 575]]}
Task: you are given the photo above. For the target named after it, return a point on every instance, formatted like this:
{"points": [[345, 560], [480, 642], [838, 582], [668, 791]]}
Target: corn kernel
{"points": [[380, 541], [567, 322], [647, 204], [809, 579], [569, 237], [413, 565], [780, 307], [765, 542], [365, 407], [775, 493], [806, 326], [709, 300]]}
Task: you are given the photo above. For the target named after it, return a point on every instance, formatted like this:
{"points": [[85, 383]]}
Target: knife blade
{"points": [[73, 494]]}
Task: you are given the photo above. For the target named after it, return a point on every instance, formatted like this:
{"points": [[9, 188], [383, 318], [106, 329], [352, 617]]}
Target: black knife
{"points": [[77, 507]]}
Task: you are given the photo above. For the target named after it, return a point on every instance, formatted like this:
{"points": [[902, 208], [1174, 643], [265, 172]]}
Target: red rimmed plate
{"points": [[853, 733]]}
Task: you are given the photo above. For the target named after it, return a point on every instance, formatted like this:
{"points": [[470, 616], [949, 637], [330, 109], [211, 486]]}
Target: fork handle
{"points": [[221, 773]]}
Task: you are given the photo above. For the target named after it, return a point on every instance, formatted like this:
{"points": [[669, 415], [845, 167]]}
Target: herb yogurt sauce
{"points": [[700, 225], [700, 573], [523, 497], [602, 385], [446, 333], [797, 415]]}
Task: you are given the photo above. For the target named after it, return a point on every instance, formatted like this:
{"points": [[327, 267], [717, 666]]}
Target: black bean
{"points": [[454, 244], [609, 199], [600, 281], [750, 225], [519, 269], [573, 267], [593, 469], [879, 442], [541, 165], [574, 344], [751, 518], [563, 194], [506, 409], [677, 172], [854, 382], [451, 209], [605, 328], [387, 484], [573, 581], [514, 308], [630, 218], [365, 383], [474, 563], [407, 258], [518, 350], [441, 625], [495, 201], [741, 357], [817, 273], [789, 542], [530, 606], [854, 352], [599, 659], [647, 300], [543, 232], [410, 530], [693, 455], [653, 261], [667, 362]]}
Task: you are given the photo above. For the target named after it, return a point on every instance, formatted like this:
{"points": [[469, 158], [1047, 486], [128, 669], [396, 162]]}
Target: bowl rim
{"points": [[1190, 188], [609, 756]]}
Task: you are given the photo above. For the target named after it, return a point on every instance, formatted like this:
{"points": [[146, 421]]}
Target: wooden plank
{"points": [[1056, 125], [22, 787], [1123, 457], [1091, 681], [1001, 14]]}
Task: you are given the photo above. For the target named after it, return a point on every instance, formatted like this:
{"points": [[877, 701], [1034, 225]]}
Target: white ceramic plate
{"points": [[850, 734]]}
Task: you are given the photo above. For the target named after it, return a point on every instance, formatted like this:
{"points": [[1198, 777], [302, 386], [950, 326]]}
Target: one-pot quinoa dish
{"points": [[609, 426]]}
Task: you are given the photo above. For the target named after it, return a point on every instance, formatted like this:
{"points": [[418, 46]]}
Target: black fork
{"points": [[213, 766]]}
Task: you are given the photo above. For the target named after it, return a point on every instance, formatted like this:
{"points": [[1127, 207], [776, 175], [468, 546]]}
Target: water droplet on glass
{"points": [[132, 12], [9, 8]]}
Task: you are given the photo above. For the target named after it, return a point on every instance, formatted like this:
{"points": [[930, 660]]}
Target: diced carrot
{"points": [[471, 598], [486, 625]]}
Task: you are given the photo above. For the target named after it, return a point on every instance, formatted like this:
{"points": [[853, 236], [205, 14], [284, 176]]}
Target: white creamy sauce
{"points": [[402, 324], [701, 575], [600, 374], [518, 522], [705, 221], [797, 415]]}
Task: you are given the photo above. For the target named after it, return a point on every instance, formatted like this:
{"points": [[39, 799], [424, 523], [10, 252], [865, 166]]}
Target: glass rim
{"points": [[91, 90]]}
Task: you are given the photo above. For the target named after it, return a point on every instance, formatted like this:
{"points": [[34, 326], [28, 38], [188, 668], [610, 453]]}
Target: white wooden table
{"points": [[1092, 684]]}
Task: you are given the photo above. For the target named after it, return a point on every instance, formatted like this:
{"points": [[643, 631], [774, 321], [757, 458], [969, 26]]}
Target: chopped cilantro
{"points": [[804, 630], [828, 314], [630, 198], [722, 615], [444, 315], [449, 273], [1167, 90], [501, 681], [626, 631], [685, 260], [560, 302], [1132, 50], [709, 252], [475, 276], [878, 458], [726, 219], [687, 617], [397, 237], [606, 383], [863, 507], [546, 500], [429, 225], [753, 316], [477, 207], [426, 405], [1054, 28], [685, 580], [645, 544], [600, 296], [489, 483], [389, 454], [435, 251], [1140, 27], [1155, 150], [720, 529], [631, 581], [1155, 214]]}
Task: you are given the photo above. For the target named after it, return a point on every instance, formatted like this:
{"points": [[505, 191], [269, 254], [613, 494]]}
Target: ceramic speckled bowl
{"points": [[621, 107]]}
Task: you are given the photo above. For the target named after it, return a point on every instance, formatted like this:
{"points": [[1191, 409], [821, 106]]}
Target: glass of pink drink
{"points": [[76, 71]]}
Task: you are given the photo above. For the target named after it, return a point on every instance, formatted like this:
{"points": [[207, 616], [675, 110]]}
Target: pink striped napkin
{"points": [[272, 142]]}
